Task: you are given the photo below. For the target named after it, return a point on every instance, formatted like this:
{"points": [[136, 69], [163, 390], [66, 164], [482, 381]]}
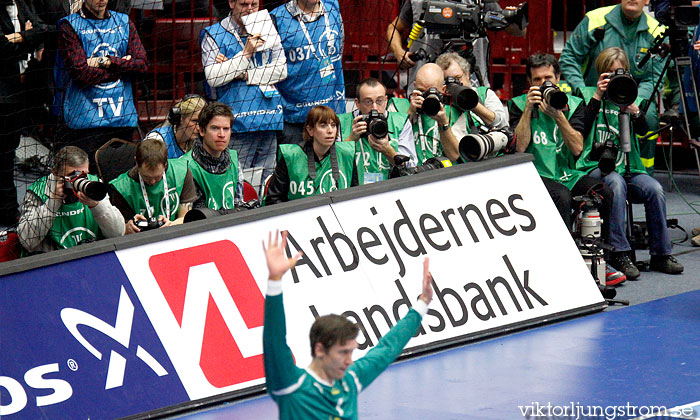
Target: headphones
{"points": [[175, 113]]}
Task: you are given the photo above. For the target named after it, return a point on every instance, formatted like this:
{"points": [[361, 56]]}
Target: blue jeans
{"points": [[642, 189], [256, 149]]}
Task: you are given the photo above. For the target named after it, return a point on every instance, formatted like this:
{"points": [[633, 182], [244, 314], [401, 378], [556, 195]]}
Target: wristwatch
{"points": [[444, 127], [102, 61]]}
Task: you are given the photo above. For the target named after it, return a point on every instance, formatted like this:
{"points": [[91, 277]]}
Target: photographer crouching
{"points": [[550, 125], [379, 135], [68, 207], [604, 157]]}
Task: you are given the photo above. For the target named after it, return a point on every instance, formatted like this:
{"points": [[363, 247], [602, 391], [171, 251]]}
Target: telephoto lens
{"points": [[477, 147], [462, 97], [622, 89], [552, 95]]}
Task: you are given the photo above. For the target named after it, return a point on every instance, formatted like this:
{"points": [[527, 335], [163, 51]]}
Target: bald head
{"points": [[429, 75]]}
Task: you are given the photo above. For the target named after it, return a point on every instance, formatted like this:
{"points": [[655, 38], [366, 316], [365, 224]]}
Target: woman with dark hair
{"points": [[317, 166]]}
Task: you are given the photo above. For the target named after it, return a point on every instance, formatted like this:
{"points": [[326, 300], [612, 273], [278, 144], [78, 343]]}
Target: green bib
{"points": [[602, 132], [219, 189], [73, 224], [300, 183], [367, 159], [130, 189], [553, 159]]}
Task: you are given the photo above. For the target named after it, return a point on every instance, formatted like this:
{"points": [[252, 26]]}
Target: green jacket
{"points": [[577, 59]]}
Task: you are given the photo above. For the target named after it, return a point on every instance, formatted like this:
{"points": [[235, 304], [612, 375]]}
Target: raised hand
{"points": [[277, 261]]}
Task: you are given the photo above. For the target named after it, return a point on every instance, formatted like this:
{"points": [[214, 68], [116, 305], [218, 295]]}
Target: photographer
{"points": [[488, 112], [181, 131], [155, 193], [555, 137], [56, 216], [636, 186], [217, 174], [375, 156], [432, 128], [625, 25], [411, 12], [318, 166]]}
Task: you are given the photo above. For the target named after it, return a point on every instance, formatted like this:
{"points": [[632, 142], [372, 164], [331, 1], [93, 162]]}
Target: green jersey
{"points": [[219, 189], [607, 127], [299, 394], [368, 160], [158, 202], [74, 223], [302, 185], [553, 159]]}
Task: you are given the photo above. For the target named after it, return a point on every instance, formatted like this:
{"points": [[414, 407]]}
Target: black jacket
{"points": [[11, 88]]}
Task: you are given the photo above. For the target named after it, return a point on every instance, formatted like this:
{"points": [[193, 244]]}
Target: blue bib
{"points": [[168, 134], [313, 78], [109, 104], [252, 111]]}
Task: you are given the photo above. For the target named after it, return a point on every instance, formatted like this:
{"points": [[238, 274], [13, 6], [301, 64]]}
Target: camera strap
{"points": [[149, 209], [311, 161], [329, 36]]}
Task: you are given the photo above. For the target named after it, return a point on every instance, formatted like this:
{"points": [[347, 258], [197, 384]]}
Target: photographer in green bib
{"points": [[317, 166], [218, 177], [549, 124], [57, 211], [488, 112], [155, 193], [604, 158], [378, 134], [628, 26], [431, 120]]}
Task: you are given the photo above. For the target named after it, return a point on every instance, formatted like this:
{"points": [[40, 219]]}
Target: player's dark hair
{"points": [[331, 329]]}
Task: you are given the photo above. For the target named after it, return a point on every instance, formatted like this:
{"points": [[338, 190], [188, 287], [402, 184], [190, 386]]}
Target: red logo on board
{"points": [[221, 360]]}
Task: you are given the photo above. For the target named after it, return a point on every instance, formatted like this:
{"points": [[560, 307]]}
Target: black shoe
{"points": [[666, 264], [622, 262]]}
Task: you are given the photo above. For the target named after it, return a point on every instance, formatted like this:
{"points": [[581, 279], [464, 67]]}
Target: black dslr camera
{"points": [[432, 101], [461, 97], [149, 224], [552, 95], [622, 88], [399, 169], [376, 124], [78, 181], [605, 153]]}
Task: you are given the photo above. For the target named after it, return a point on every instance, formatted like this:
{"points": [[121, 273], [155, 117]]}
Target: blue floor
{"points": [[640, 356]]}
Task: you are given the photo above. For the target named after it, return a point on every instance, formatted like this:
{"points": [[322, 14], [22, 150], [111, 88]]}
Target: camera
{"points": [[78, 181], [149, 224], [432, 102], [399, 169], [622, 88], [552, 95], [207, 213], [605, 153], [476, 147], [376, 124], [457, 20], [461, 97]]}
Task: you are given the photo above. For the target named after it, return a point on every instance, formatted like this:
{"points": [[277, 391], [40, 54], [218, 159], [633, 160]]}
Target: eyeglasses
{"points": [[369, 102], [457, 76]]}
